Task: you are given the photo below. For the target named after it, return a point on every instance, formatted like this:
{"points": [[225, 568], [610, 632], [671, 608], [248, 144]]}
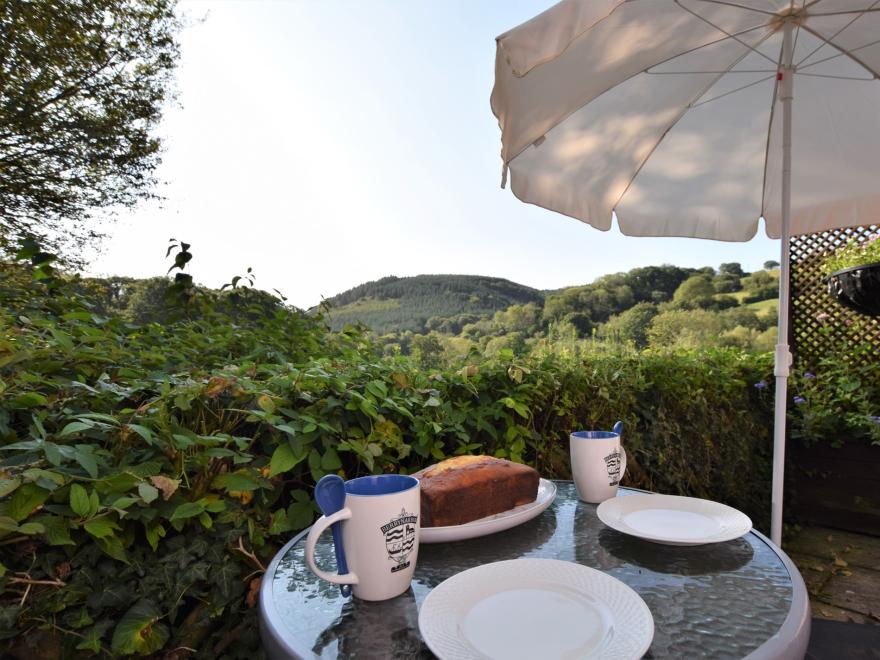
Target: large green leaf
{"points": [[147, 492], [139, 631], [236, 481], [101, 527], [187, 510], [7, 485], [79, 500], [75, 427], [283, 459], [25, 500]]}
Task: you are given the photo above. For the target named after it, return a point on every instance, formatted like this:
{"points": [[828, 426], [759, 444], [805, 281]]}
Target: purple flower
{"points": [[809, 375], [874, 418], [799, 400], [761, 384]]}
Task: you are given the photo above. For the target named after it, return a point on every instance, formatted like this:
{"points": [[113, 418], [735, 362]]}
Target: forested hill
{"points": [[394, 304]]}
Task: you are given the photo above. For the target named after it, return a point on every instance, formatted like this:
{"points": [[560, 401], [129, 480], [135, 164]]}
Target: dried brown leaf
{"points": [[166, 485]]}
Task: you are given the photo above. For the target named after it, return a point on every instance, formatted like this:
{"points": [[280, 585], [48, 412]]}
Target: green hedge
{"points": [[149, 472]]}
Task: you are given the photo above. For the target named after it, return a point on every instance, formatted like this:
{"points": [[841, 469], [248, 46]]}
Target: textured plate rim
{"points": [[519, 568], [497, 522], [608, 514]]}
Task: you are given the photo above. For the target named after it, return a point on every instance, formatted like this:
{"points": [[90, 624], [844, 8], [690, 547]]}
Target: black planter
{"points": [[857, 288]]}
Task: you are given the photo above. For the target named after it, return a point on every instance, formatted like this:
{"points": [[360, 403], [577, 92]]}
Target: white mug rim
{"points": [[594, 435], [414, 483]]}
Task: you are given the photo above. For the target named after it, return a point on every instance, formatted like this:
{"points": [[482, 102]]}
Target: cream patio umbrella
{"points": [[697, 118]]}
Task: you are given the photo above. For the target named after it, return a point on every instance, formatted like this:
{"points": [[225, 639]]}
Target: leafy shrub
{"points": [[150, 471]]}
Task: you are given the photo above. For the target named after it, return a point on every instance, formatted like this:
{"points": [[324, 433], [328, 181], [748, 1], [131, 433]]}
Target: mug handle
{"points": [[320, 526]]}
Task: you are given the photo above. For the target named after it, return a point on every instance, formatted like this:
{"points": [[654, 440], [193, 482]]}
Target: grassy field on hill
{"points": [[397, 304]]}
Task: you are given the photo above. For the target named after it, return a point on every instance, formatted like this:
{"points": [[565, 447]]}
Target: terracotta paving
{"points": [[842, 573]]}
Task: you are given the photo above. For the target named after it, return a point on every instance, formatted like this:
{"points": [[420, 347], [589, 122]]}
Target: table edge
{"points": [[791, 646]]}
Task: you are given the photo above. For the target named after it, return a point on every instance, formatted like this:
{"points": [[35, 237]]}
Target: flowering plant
{"points": [[836, 403], [854, 253]]}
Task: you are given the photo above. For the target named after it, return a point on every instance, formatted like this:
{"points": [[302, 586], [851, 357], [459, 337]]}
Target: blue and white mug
{"points": [[598, 462], [380, 535]]}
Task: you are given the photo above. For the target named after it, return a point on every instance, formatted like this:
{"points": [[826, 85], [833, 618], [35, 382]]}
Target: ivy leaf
{"points": [[283, 459], [79, 500], [330, 460], [92, 638], [139, 631], [300, 514], [147, 492], [154, 532], [113, 547], [280, 523], [187, 510]]}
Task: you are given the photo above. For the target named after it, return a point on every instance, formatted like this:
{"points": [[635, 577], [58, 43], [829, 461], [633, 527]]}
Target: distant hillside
{"points": [[407, 303]]}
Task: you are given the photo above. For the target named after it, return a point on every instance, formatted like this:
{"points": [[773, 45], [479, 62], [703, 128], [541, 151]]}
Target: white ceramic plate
{"points": [[492, 524], [674, 520], [535, 608]]}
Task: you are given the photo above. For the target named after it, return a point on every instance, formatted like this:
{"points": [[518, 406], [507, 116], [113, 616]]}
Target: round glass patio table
{"points": [[742, 598]]}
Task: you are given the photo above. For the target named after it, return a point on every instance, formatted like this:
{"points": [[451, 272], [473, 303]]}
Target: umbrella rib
{"points": [[678, 119], [845, 12], [828, 40], [683, 73], [723, 31], [826, 75], [739, 6], [767, 144], [834, 57], [734, 91], [843, 52]]}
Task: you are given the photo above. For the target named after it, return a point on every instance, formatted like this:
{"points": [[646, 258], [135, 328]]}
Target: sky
{"points": [[327, 143]]}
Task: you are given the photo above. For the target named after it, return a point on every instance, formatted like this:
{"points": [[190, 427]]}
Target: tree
{"points": [[770, 265], [631, 325], [732, 268], [727, 283], [428, 350], [760, 285], [696, 291], [82, 86]]}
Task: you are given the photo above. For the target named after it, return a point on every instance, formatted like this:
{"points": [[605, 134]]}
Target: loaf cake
{"points": [[465, 488]]}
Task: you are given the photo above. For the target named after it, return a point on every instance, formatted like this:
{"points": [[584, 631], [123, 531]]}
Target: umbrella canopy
{"points": [[676, 116]]}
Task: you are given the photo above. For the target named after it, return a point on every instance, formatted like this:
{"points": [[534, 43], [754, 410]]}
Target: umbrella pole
{"points": [[783, 356]]}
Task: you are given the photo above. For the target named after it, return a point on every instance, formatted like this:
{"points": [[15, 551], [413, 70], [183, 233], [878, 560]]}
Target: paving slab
{"points": [[859, 591], [856, 549]]}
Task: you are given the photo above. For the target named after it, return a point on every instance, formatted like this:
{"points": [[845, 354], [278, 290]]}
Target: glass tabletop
{"points": [[721, 600]]}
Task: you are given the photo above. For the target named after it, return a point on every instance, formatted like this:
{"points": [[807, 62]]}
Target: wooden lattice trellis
{"points": [[819, 325]]}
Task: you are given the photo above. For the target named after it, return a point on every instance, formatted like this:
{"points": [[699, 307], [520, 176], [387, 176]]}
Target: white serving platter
{"points": [[495, 523], [673, 520], [524, 609]]}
